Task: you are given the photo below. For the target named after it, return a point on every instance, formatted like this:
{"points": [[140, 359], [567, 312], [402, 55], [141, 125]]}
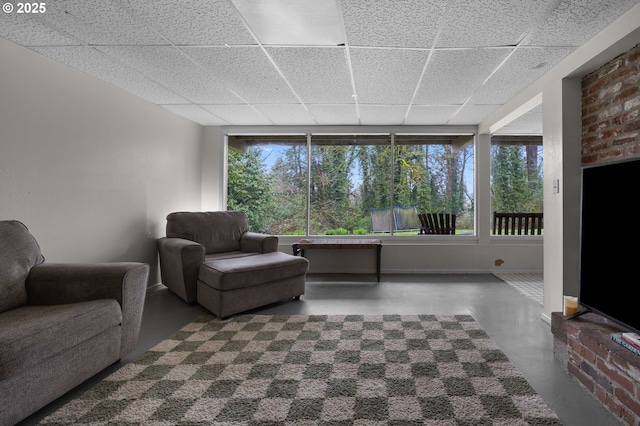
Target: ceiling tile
{"points": [[382, 114], [238, 115], [524, 67], [196, 114], [27, 30], [99, 22], [334, 114], [386, 76], [491, 22], [472, 114], [318, 75], [462, 70], [293, 22], [194, 22], [430, 114], [575, 21], [245, 70], [174, 70], [96, 64], [386, 23], [286, 114], [200, 59], [529, 123]]}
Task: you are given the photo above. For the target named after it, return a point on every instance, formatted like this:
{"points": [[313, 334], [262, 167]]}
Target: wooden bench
{"points": [[437, 223], [517, 223], [340, 244]]}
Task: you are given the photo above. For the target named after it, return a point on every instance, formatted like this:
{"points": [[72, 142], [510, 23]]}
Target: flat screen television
{"points": [[609, 250]]}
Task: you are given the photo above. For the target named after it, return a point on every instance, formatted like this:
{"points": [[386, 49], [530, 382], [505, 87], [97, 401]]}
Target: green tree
{"points": [[250, 188], [290, 190], [375, 164], [347, 182], [332, 191], [516, 179]]}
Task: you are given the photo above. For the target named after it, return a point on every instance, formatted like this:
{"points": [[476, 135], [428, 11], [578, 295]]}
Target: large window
{"points": [[436, 174], [328, 184], [349, 178], [267, 179], [516, 174]]}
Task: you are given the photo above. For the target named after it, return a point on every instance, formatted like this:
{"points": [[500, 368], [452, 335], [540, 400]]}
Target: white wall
{"points": [[91, 170], [214, 156], [561, 125], [479, 253]]}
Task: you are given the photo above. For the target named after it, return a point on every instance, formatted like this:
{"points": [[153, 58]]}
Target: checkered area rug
{"points": [[316, 370]]}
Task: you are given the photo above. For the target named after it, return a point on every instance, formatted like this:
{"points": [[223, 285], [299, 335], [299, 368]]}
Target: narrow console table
{"points": [[338, 244]]}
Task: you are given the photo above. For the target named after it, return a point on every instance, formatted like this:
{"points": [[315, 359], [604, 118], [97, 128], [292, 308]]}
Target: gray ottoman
{"points": [[232, 285]]}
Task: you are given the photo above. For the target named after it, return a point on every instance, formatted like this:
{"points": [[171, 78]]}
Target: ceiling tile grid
{"points": [[301, 62], [247, 71], [387, 76], [527, 124], [523, 67], [463, 70], [286, 114], [239, 115], [171, 68], [318, 75], [27, 30], [99, 22], [485, 23], [193, 22], [573, 22], [94, 63], [382, 114], [471, 114], [197, 114], [430, 114], [389, 23], [293, 22], [334, 115]]}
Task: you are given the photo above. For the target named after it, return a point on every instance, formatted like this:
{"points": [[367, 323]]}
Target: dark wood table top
{"points": [[360, 243]]}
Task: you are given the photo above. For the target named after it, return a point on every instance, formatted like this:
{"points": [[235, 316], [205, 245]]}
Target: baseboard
{"points": [[546, 318], [154, 287], [459, 271]]}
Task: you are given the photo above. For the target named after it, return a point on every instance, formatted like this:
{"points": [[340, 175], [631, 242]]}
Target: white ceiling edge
{"points": [[618, 37]]}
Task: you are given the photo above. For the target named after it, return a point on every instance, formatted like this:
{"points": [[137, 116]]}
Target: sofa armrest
{"points": [[254, 242], [180, 262], [62, 283]]}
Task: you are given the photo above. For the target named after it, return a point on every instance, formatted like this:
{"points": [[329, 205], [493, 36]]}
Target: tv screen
{"points": [[609, 252]]}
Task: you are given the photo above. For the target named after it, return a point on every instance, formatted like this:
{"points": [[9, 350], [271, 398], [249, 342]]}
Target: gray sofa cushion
{"points": [[217, 231], [19, 252], [238, 272], [32, 334], [227, 255]]}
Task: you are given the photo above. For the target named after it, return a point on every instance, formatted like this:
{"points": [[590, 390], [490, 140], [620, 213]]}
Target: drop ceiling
{"points": [[312, 62]]}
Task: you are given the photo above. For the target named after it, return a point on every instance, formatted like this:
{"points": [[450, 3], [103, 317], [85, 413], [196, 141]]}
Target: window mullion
{"points": [[308, 218], [392, 183]]}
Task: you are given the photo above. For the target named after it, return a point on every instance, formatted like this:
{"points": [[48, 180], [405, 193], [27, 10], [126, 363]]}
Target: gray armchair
{"points": [[212, 258], [60, 323]]}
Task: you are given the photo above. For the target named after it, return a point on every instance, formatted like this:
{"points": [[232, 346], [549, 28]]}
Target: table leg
{"points": [[378, 261]]}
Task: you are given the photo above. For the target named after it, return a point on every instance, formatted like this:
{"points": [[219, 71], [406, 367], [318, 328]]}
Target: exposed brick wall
{"points": [[609, 371], [611, 110], [610, 132]]}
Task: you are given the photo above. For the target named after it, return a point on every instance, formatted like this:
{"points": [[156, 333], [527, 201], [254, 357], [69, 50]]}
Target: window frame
{"points": [[233, 140]]}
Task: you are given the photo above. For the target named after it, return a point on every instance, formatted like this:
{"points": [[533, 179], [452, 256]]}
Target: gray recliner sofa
{"points": [[60, 323], [213, 259]]}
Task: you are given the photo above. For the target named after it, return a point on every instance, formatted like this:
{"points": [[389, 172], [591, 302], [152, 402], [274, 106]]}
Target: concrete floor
{"points": [[511, 319]]}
